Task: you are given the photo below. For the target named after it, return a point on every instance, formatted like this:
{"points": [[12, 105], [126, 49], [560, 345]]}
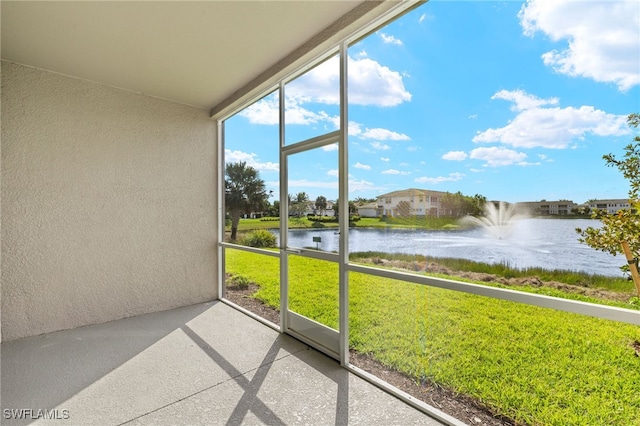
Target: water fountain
{"points": [[498, 220]]}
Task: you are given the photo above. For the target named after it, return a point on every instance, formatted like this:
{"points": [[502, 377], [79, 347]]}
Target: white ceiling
{"points": [[197, 53]]}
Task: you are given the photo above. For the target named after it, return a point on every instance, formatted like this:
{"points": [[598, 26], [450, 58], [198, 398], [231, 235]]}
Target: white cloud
{"points": [[295, 113], [362, 185], [362, 166], [473, 116], [305, 183], [373, 84], [389, 39], [370, 83], [395, 172], [380, 146], [333, 172], [332, 147], [554, 127], [455, 156], [384, 135], [522, 100], [453, 177], [476, 170], [385, 159], [413, 148], [422, 18], [495, 157], [602, 38], [250, 159], [265, 111], [355, 128]]}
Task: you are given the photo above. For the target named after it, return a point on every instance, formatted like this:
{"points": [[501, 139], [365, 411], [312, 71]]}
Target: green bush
{"points": [[259, 238], [269, 219], [239, 281]]}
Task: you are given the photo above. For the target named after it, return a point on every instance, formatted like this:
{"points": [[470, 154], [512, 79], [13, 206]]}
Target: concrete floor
{"points": [[202, 364]]}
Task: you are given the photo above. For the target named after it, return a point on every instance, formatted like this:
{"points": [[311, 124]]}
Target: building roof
{"points": [[411, 191]]}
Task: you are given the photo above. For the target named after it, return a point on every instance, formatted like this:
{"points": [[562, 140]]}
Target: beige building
{"points": [[368, 210], [410, 202], [610, 206], [546, 208]]}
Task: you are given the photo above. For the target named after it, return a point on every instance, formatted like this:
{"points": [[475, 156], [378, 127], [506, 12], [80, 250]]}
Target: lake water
{"points": [[548, 243]]}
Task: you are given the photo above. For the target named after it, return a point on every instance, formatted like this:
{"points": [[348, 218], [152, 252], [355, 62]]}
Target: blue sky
{"points": [[517, 101]]}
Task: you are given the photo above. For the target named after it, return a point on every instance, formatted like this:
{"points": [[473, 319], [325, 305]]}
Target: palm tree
{"points": [[321, 204], [244, 192], [299, 204]]}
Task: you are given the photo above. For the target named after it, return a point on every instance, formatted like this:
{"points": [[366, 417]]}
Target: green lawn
{"points": [[534, 365], [365, 222]]}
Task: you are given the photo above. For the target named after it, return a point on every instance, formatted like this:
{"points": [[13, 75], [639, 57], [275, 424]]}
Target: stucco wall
{"points": [[108, 203]]}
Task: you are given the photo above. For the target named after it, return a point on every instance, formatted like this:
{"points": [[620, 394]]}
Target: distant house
{"points": [[546, 208], [410, 202], [610, 206], [328, 211], [368, 210]]}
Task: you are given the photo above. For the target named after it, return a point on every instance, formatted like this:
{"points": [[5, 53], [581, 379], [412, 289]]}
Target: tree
{"points": [[244, 192], [274, 209], [361, 200], [459, 205], [477, 204], [321, 204], [298, 204], [625, 224], [353, 209]]}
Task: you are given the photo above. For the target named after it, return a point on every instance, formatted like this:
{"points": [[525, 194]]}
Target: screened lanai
{"points": [[121, 287]]}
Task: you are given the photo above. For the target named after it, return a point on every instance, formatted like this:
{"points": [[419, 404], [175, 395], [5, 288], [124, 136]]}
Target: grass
{"points": [[365, 222], [534, 365]]}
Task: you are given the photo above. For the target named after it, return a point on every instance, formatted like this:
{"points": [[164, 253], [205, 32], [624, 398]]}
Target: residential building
{"points": [[610, 206], [410, 202], [546, 208], [368, 210]]}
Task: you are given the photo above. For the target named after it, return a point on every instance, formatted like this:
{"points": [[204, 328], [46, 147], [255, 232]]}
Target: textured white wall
{"points": [[108, 203]]}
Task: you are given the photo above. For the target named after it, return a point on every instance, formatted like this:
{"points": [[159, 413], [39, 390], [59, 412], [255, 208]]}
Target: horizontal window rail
{"points": [[251, 249], [584, 308], [315, 254], [316, 142]]}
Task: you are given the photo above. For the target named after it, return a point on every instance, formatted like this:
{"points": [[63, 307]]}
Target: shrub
{"points": [[259, 238], [269, 219], [238, 281]]}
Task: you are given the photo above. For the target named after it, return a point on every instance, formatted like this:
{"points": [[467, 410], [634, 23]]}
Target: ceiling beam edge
{"points": [[304, 52]]}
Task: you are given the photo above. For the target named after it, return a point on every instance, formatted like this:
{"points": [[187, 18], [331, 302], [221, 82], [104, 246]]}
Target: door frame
{"points": [[317, 335]]}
